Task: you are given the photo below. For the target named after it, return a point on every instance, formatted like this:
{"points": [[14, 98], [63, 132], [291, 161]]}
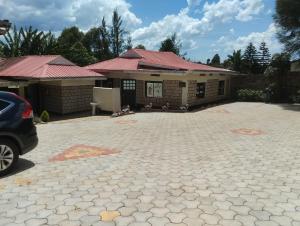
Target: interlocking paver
{"points": [[197, 168]]}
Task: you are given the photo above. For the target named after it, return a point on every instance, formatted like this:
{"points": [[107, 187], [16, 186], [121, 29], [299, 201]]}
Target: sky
{"points": [[204, 27]]}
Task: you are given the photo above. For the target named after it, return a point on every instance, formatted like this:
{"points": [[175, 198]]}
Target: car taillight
{"points": [[27, 111]]}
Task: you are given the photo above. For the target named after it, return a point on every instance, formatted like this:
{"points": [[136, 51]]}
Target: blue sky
{"points": [[205, 27]]}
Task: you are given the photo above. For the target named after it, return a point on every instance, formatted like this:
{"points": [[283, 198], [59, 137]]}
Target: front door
{"points": [[128, 89]]}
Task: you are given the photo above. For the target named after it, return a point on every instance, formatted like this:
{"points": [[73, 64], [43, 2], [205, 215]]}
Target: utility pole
{"points": [[4, 26]]}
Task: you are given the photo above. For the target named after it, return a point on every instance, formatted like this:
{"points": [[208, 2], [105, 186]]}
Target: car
{"points": [[18, 133]]}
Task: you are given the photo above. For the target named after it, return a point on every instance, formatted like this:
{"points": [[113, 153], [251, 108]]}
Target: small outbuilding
{"points": [[49, 82], [146, 77]]}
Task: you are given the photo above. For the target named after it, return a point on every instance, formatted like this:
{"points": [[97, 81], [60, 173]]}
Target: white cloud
{"points": [[192, 3], [57, 14], [268, 36], [185, 26], [226, 10], [189, 28]]}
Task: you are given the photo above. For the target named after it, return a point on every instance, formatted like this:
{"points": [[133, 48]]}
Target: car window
{"points": [[3, 105]]}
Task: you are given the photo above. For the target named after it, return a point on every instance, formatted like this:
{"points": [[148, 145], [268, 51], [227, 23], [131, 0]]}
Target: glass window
{"points": [[200, 90], [3, 105], [221, 88], [154, 89], [128, 84]]}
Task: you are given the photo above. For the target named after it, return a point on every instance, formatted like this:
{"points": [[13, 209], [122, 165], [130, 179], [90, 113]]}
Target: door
{"points": [[128, 92]]}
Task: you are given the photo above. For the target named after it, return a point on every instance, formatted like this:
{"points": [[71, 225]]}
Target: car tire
{"points": [[9, 156]]}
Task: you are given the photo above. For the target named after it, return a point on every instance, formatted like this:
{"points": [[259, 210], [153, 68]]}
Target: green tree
{"points": [[208, 61], [276, 76], [79, 55], [140, 46], [216, 61], [234, 61], [171, 44], [97, 42], [35, 42], [264, 56], [12, 43], [68, 38], [117, 35], [28, 41], [128, 45], [287, 19], [1, 51], [250, 60], [92, 41]]}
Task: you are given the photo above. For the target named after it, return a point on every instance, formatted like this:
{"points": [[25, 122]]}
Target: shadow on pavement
{"points": [[23, 164], [291, 107]]}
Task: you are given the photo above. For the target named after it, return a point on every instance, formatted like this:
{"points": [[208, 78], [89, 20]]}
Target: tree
{"points": [[79, 55], [1, 51], [128, 45], [216, 61], [140, 46], [287, 19], [12, 42], [276, 76], [208, 61], [28, 41], [105, 52], [234, 61], [250, 61], [171, 44], [68, 38], [264, 56], [97, 42], [117, 34]]}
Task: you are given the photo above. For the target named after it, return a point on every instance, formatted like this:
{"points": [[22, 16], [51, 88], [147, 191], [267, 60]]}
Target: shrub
{"points": [[250, 95], [45, 117], [296, 97]]}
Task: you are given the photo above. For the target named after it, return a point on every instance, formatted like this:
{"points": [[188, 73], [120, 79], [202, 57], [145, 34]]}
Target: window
{"points": [[221, 88], [128, 84], [3, 105], [154, 89], [200, 90]]}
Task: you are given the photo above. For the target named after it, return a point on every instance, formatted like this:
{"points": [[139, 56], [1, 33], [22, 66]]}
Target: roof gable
{"points": [[42, 67], [145, 59]]}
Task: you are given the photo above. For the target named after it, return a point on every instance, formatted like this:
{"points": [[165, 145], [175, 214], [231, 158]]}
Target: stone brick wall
{"points": [[172, 94], [51, 98], [76, 98], [211, 92], [66, 99]]}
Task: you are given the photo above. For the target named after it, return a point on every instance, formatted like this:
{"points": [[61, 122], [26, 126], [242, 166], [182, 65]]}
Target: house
{"points": [[162, 77], [49, 82]]}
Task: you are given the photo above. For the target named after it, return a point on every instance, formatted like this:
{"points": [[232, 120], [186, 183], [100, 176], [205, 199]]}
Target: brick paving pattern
{"points": [[172, 169]]}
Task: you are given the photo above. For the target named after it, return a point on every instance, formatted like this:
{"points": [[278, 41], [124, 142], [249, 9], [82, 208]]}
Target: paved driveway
{"points": [[235, 164]]}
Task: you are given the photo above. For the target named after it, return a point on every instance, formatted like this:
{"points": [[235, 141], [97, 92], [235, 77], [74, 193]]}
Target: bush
{"points": [[296, 97], [250, 95], [45, 117]]}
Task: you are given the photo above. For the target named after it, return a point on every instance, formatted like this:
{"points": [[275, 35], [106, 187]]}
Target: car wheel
{"points": [[9, 155]]}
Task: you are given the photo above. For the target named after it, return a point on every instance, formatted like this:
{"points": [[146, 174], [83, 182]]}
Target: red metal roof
{"points": [[138, 59], [43, 67]]}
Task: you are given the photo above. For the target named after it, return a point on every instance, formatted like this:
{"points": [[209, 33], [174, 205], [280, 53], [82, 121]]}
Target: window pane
{"points": [[200, 90], [149, 91], [157, 89], [3, 105]]}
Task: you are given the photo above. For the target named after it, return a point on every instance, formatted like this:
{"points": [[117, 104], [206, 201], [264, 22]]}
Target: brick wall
{"points": [[76, 98], [66, 99], [172, 94], [211, 92]]}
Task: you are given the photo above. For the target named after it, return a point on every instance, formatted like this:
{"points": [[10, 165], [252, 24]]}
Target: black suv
{"points": [[17, 130]]}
